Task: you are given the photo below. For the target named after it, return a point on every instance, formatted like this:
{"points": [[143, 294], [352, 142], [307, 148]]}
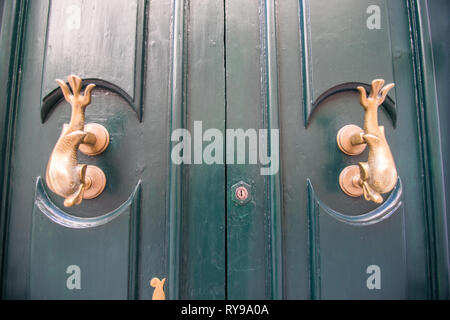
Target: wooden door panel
{"points": [[50, 244], [332, 32], [43, 250], [254, 237], [246, 251], [103, 249], [89, 42], [344, 253], [335, 248], [202, 251], [151, 62], [323, 50]]}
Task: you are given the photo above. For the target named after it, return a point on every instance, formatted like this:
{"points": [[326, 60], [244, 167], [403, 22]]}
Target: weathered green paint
{"points": [[140, 103], [330, 47], [1, 14], [114, 277], [332, 53], [11, 42], [274, 181], [202, 266], [432, 152], [230, 64], [440, 41], [176, 120], [248, 226], [255, 248]]}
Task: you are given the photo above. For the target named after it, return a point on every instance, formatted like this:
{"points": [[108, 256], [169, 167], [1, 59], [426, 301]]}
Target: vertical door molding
{"points": [[273, 182], [11, 55], [176, 120], [431, 149], [305, 36], [255, 247], [196, 194]]}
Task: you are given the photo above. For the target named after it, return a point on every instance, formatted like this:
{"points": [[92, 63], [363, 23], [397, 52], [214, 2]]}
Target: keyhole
{"points": [[241, 193]]}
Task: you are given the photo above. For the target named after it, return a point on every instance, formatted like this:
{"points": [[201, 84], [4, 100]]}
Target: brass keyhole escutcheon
{"points": [[241, 193]]}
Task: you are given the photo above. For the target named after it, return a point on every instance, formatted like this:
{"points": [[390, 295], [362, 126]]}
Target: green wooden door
{"points": [[262, 65], [154, 218], [295, 66]]}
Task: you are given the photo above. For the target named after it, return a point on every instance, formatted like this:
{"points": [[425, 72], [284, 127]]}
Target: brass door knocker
{"points": [[64, 175], [378, 175]]}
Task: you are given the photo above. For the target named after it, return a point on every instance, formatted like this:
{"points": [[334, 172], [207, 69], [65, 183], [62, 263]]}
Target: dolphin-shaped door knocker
{"points": [[378, 175], [64, 175]]}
